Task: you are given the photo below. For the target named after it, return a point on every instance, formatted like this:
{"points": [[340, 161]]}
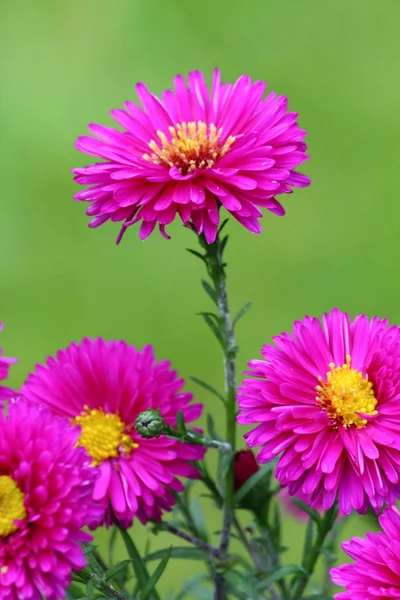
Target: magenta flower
{"points": [[103, 386], [192, 152], [376, 570], [5, 363], [46, 486], [327, 399]]}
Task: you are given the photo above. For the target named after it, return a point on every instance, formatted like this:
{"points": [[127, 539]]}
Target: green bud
{"points": [[150, 423]]}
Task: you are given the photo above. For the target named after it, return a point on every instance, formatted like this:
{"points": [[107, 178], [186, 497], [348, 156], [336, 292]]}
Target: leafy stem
{"points": [[311, 554], [222, 327]]}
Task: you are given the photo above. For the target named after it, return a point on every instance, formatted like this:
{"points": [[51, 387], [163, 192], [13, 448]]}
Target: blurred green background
{"points": [[67, 63]]}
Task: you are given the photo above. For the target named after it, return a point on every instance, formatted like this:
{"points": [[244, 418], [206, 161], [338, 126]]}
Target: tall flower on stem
{"points": [[102, 387], [46, 486], [327, 399], [190, 153]]}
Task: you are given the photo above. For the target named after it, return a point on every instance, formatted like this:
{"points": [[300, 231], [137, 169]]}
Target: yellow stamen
{"points": [[11, 506], [191, 146], [103, 435], [345, 395]]}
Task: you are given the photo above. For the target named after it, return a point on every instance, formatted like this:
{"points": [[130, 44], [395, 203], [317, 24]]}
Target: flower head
{"points": [[46, 486], [376, 570], [102, 387], [5, 363], [327, 400], [190, 153]]}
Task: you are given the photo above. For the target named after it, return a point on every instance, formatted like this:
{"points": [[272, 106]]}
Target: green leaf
{"points": [[149, 587], [191, 585], [180, 421], [113, 571], [223, 243], [111, 544], [224, 464], [280, 574], [197, 254], [90, 588], [198, 521], [241, 312], [241, 585], [209, 388], [180, 552], [89, 549], [252, 481], [138, 564], [210, 291], [213, 327], [223, 224], [211, 428], [308, 540], [276, 527], [311, 512]]}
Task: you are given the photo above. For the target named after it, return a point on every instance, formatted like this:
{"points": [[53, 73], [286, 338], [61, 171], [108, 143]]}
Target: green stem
{"points": [[216, 272], [139, 566], [311, 557]]}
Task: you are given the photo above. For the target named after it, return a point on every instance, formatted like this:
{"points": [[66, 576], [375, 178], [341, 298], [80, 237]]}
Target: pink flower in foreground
{"points": [[5, 363], [376, 570], [192, 152], [327, 399], [103, 386], [46, 486]]}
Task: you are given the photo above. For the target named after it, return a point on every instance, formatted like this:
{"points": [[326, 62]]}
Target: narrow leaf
{"points": [[111, 544], [212, 432], [180, 421], [113, 571], [180, 552], [224, 464], [149, 587], [222, 226], [138, 564], [280, 574], [198, 521], [197, 254], [210, 291], [208, 387], [311, 512], [241, 312], [190, 585], [213, 327]]}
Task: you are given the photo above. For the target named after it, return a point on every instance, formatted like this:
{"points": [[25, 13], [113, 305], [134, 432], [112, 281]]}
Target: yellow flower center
{"points": [[346, 395], [11, 505], [103, 435], [192, 146]]}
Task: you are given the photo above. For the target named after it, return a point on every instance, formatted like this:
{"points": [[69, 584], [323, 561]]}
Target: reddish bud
{"points": [[245, 466]]}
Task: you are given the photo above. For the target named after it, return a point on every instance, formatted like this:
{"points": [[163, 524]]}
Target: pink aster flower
{"points": [[376, 570], [46, 486], [190, 153], [5, 363], [103, 386], [327, 400]]}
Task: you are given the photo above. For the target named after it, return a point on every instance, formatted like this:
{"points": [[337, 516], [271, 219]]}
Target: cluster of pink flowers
{"points": [[324, 399], [70, 457]]}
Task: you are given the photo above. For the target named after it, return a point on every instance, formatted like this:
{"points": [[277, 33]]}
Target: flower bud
{"points": [[150, 423], [245, 465]]}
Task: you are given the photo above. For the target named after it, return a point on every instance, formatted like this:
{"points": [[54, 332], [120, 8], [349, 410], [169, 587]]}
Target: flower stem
{"points": [[188, 537], [310, 558], [224, 331]]}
